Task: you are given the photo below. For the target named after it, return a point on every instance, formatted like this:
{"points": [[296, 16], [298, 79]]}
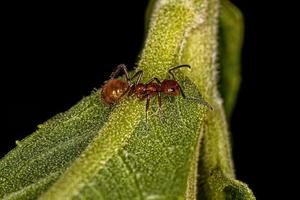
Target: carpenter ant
{"points": [[114, 89]]}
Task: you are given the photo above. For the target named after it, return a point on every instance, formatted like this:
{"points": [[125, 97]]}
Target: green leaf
{"points": [[40, 159], [228, 187], [97, 152], [231, 40], [149, 13]]}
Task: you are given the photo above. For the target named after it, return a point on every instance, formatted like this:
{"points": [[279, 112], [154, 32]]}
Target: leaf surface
{"points": [[231, 40], [41, 158], [94, 151]]}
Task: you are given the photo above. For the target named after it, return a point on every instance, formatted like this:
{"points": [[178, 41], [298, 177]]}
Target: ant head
{"points": [[170, 88]]}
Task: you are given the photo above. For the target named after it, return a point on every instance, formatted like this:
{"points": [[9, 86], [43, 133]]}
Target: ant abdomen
{"points": [[113, 91]]}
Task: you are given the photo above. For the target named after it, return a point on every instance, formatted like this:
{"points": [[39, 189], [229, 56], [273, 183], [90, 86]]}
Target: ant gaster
{"points": [[114, 89]]}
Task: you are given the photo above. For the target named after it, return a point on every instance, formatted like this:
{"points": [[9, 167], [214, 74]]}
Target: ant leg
{"points": [[147, 106], [158, 96], [159, 106], [200, 101], [153, 79], [116, 72], [181, 91], [139, 75], [131, 87], [174, 68]]}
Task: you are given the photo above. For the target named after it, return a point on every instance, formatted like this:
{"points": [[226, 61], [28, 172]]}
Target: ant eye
{"points": [[171, 90]]}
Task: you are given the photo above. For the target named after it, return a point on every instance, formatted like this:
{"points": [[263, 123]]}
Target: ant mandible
{"points": [[114, 89]]}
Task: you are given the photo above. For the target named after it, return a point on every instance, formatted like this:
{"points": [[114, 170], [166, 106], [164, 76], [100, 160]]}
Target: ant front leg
{"points": [[201, 101], [197, 100]]}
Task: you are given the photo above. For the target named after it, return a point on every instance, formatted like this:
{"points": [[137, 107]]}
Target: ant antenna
{"points": [[174, 68], [200, 101]]}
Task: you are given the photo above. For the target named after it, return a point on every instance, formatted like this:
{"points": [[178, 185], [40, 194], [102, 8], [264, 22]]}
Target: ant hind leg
{"points": [[117, 71], [131, 88], [139, 75]]}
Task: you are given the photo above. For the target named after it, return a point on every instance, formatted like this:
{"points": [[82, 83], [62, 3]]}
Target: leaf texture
{"points": [[231, 39], [42, 157], [95, 151]]}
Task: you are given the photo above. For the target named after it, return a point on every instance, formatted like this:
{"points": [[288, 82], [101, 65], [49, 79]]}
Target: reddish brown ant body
{"points": [[114, 89]]}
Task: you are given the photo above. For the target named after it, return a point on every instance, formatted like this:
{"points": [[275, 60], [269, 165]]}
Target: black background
{"points": [[57, 53]]}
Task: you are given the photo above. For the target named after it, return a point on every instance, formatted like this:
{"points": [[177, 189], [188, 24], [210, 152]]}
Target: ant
{"points": [[114, 89]]}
